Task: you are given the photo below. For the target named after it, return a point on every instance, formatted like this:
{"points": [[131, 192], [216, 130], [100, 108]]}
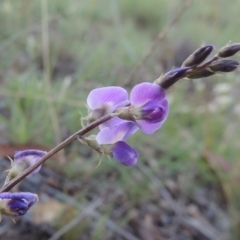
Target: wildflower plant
{"points": [[116, 116]]}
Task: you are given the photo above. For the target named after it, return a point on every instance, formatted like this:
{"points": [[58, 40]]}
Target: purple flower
{"points": [[23, 160], [102, 101], [112, 141], [149, 106], [16, 204], [30, 157]]}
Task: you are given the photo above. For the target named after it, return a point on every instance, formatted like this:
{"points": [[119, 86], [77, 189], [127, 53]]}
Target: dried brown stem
{"points": [[157, 40], [86, 211], [47, 76]]}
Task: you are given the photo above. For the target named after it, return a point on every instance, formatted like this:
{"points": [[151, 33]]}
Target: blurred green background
{"points": [[53, 53]]}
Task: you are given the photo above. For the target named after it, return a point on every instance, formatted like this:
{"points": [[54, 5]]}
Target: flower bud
{"points": [[200, 74], [229, 50], [171, 77], [16, 204], [198, 56], [23, 160], [224, 65]]}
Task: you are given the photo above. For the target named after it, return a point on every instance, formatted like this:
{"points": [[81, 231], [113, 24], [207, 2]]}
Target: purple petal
{"points": [[155, 112], [113, 122], [152, 111], [18, 203], [124, 154], [145, 92], [148, 128], [155, 120], [113, 97], [30, 198], [30, 157], [118, 133], [17, 207]]}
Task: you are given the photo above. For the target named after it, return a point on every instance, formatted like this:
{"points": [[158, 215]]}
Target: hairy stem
{"points": [[53, 151]]}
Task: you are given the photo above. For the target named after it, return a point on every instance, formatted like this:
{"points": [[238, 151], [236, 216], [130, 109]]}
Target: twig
{"points": [[87, 211], [114, 227], [95, 214], [202, 227], [157, 40], [53, 151], [109, 222], [46, 68]]}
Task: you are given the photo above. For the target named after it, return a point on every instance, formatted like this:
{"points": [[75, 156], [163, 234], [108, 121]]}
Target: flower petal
{"points": [[145, 92], [113, 122], [30, 198], [30, 156], [114, 97], [16, 204], [155, 112], [17, 207], [118, 133], [124, 154], [149, 126]]}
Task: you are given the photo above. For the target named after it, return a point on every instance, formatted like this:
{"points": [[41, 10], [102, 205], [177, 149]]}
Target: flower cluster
{"points": [[145, 110]]}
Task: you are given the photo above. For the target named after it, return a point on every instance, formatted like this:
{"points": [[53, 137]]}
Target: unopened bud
{"points": [[198, 56], [229, 50], [23, 160], [224, 65], [169, 78], [203, 73]]}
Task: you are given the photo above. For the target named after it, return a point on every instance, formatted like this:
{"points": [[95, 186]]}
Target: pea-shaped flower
{"points": [[149, 107], [112, 141], [23, 160], [16, 204]]}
